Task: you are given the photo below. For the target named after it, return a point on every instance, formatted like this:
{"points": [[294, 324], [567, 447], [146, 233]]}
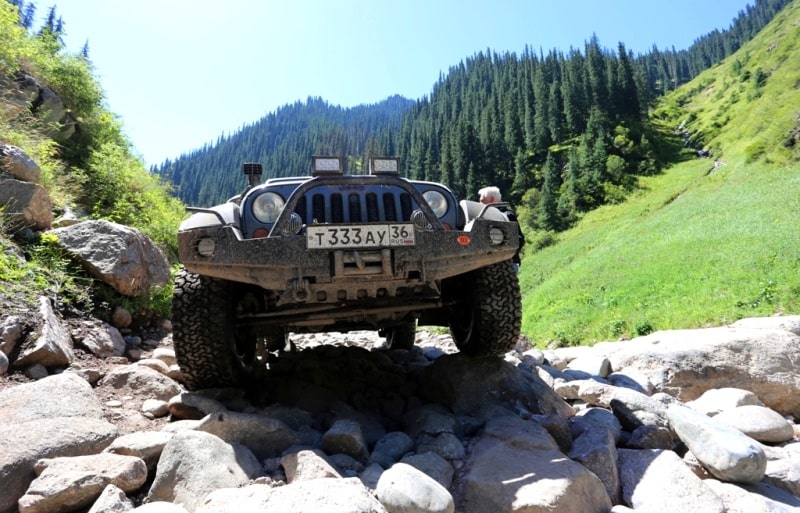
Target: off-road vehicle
{"points": [[339, 252]]}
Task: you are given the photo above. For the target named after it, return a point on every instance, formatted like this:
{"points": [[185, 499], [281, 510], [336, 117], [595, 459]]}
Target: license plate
{"points": [[360, 236]]}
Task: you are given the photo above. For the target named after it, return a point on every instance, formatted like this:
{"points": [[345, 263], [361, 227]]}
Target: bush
{"points": [[753, 151]]}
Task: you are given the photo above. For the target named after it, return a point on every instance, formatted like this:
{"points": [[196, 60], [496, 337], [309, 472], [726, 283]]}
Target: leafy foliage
{"points": [[94, 172]]}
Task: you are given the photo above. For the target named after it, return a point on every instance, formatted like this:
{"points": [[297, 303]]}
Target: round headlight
{"points": [[267, 207], [436, 201]]}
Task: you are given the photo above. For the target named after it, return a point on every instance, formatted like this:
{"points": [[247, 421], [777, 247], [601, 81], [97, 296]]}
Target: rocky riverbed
{"points": [[692, 421]]}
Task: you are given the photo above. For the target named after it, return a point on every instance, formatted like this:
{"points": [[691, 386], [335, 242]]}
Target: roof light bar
{"points": [[384, 166], [326, 166]]}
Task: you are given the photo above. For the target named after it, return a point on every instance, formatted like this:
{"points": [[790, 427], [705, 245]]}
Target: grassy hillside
{"points": [[695, 246]]}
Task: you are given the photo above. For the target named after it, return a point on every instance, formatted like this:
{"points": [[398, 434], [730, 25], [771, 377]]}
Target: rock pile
{"points": [[690, 421]]}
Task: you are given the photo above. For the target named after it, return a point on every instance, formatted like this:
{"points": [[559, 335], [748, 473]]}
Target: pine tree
{"points": [[547, 216], [85, 50]]}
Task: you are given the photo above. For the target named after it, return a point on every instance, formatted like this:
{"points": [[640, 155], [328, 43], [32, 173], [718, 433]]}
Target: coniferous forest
{"points": [[560, 132]]}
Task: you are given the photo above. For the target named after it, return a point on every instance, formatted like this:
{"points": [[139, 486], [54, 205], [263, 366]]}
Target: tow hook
{"points": [[299, 289]]}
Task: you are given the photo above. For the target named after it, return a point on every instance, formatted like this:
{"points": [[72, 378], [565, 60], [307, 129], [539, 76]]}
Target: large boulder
{"points": [[121, 256], [481, 386], [328, 495], [19, 93], [194, 463], [18, 164], [25, 204], [52, 345], [71, 483], [517, 466], [56, 416], [686, 363]]}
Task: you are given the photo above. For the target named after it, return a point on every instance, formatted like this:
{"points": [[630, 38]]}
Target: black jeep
{"points": [[337, 252]]}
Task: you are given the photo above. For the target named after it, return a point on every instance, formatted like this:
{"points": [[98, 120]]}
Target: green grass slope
{"points": [[694, 246]]}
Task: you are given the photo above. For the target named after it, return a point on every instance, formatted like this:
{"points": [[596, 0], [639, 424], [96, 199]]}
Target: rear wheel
{"points": [[483, 309], [210, 351], [401, 336]]}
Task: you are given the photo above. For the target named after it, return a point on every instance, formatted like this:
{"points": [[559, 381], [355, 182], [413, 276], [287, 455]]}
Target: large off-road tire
{"points": [[204, 335], [401, 336], [484, 309]]}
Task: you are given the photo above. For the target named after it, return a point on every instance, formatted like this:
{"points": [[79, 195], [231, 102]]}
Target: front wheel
{"points": [[484, 309], [209, 351]]}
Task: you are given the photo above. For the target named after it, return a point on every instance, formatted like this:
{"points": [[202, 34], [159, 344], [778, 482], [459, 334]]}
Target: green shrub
{"points": [[754, 150]]}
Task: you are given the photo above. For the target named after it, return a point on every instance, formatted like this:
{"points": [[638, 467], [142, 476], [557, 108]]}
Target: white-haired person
{"points": [[491, 194]]}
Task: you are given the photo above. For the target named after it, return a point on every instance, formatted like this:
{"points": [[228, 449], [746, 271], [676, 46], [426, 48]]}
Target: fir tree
{"points": [[547, 217]]}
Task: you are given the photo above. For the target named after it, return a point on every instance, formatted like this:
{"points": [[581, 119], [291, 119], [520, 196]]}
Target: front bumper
{"points": [[300, 275]]}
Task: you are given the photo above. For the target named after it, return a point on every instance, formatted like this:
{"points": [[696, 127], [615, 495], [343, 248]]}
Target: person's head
{"points": [[489, 194]]}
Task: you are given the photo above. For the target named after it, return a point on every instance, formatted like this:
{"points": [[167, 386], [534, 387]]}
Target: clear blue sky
{"points": [[180, 73]]}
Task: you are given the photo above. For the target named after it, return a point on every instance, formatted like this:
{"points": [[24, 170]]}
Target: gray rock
{"points": [[591, 365], [36, 371], [56, 416], [65, 484], [146, 445], [532, 357], [193, 463], [784, 474], [738, 500], [16, 162], [306, 465], [469, 386], [22, 444], [144, 381], [105, 342], [26, 204], [160, 507], [53, 346], [758, 422], [155, 408], [595, 418], [764, 361], [511, 448], [447, 445], [596, 450], [157, 365], [774, 494], [194, 406], [558, 427], [370, 475], [429, 419], [316, 495], [633, 379], [790, 323], [725, 452], [112, 500], [659, 482], [166, 355], [119, 255], [121, 317], [346, 465], [265, 436], [404, 489], [650, 437], [432, 465], [390, 448], [720, 399], [632, 408], [53, 113], [345, 437], [11, 329]]}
